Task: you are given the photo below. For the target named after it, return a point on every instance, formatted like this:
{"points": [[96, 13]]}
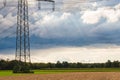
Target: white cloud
{"points": [[65, 25], [91, 17], [62, 24], [57, 25], [111, 14], [6, 23]]}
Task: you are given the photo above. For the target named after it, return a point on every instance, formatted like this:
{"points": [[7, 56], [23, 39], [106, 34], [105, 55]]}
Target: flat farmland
{"points": [[67, 76]]}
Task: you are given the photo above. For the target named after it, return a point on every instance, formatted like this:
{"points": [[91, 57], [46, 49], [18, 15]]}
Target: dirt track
{"points": [[68, 76]]}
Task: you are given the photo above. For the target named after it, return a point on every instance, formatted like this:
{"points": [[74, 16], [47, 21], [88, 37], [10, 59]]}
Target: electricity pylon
{"points": [[22, 32]]}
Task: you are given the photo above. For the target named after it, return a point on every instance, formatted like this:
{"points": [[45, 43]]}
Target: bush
{"points": [[22, 68]]}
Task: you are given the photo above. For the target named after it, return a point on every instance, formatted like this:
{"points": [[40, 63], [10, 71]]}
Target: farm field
{"points": [[57, 71], [67, 76]]}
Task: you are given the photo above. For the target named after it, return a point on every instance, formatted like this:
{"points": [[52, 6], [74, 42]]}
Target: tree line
{"points": [[9, 65]]}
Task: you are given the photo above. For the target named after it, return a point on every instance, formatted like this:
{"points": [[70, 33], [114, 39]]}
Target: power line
{"points": [[6, 30], [8, 36], [58, 8]]}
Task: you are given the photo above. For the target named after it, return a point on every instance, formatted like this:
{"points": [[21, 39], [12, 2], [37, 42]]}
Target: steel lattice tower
{"points": [[22, 33]]}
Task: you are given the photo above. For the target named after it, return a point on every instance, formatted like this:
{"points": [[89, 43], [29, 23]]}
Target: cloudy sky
{"points": [[77, 31]]}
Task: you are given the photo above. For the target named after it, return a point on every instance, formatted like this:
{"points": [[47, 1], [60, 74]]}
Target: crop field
{"points": [[57, 71], [65, 74]]}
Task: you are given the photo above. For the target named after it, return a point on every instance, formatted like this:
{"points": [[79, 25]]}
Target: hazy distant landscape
{"points": [[64, 70], [59, 39]]}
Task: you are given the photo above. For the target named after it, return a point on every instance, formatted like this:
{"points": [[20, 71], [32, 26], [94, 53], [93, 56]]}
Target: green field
{"points": [[49, 71]]}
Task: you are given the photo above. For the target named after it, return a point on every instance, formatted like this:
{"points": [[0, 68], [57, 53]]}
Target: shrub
{"points": [[22, 68]]}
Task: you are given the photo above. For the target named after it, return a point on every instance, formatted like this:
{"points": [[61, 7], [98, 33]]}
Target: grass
{"points": [[8, 73], [51, 71], [77, 70]]}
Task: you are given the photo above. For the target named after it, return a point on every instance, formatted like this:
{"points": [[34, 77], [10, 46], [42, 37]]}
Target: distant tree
{"points": [[17, 65], [108, 64], [22, 67], [11, 64], [43, 65], [3, 64], [65, 64], [116, 64], [51, 65], [79, 65], [58, 64], [72, 65]]}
